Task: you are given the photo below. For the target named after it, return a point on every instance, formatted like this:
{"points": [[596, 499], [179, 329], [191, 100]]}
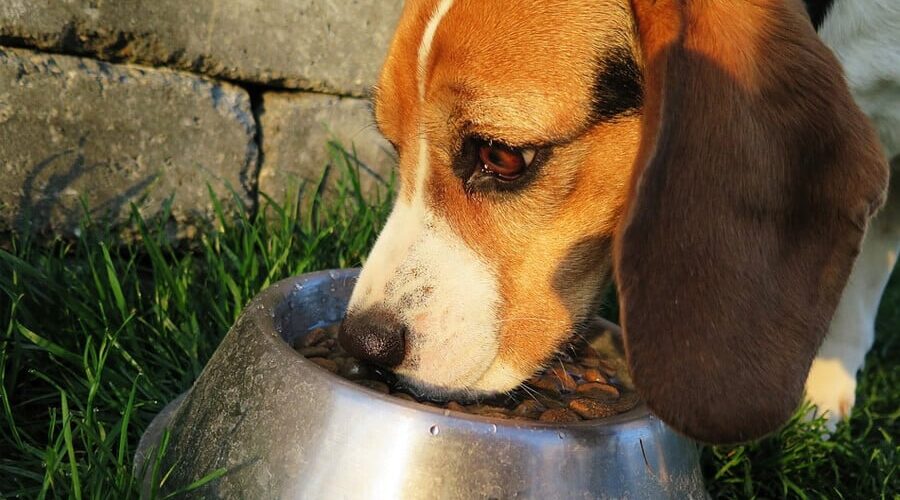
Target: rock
{"points": [[114, 135], [296, 129], [306, 44]]}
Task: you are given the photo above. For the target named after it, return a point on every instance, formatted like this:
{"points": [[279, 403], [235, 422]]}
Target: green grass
{"points": [[97, 336]]}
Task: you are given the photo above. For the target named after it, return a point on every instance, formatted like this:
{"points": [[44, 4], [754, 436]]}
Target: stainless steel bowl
{"points": [[282, 427]]}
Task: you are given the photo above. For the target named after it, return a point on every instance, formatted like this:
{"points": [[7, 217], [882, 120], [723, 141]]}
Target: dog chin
{"points": [[499, 378]]}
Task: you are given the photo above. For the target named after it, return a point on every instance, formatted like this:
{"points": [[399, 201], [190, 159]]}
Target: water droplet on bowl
{"points": [[435, 430], [494, 428], [561, 435]]}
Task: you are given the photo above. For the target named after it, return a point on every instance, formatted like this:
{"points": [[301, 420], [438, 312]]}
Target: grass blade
{"points": [[70, 448], [48, 345]]}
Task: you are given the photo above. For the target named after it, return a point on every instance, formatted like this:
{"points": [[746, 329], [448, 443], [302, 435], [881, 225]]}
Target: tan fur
{"points": [[528, 238], [522, 72]]}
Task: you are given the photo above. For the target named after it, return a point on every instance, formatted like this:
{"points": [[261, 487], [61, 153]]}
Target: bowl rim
{"points": [[639, 413]]}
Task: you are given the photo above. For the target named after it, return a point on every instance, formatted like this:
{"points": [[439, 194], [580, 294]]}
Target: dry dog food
{"points": [[588, 381]]}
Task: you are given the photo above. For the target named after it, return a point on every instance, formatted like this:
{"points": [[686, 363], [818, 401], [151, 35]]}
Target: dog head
{"points": [[707, 153]]}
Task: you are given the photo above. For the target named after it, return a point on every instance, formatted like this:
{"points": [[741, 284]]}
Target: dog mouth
{"points": [[563, 379], [424, 391], [498, 378], [466, 387], [493, 379]]}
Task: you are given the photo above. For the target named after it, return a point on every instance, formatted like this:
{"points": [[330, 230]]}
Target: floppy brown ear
{"points": [[754, 183]]}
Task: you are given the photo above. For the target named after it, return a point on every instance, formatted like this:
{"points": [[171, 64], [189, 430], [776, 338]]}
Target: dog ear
{"points": [[754, 183]]}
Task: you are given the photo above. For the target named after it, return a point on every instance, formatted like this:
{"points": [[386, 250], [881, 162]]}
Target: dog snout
{"points": [[375, 335]]}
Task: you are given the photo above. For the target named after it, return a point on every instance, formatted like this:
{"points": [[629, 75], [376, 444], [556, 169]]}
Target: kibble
{"points": [[591, 408], [566, 382], [594, 375], [530, 408], [328, 364], [314, 352], [354, 370], [597, 390], [314, 337], [454, 406], [559, 416], [375, 385], [574, 388]]}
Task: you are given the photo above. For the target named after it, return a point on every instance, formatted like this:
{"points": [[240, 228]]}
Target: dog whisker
{"points": [[530, 392]]}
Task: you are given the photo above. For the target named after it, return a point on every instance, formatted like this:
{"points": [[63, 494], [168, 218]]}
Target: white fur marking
{"points": [[427, 39], [422, 70], [832, 388], [423, 272]]}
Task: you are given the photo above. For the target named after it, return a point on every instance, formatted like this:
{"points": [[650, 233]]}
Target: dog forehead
{"points": [[512, 67], [540, 30], [523, 71]]}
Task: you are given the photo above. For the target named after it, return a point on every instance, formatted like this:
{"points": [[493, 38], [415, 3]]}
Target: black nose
{"points": [[374, 335]]}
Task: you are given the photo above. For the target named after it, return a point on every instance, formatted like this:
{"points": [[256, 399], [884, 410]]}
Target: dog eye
{"points": [[504, 162]]}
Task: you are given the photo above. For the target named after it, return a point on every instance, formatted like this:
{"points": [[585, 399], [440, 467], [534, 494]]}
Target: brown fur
{"points": [[755, 179], [754, 183]]}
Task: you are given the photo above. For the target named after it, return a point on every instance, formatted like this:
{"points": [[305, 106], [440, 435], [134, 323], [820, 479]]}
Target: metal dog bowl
{"points": [[282, 427]]}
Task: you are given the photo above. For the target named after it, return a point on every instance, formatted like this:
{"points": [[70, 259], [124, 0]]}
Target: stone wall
{"points": [[113, 103]]}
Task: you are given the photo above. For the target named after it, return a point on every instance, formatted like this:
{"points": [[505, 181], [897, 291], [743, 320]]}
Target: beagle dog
{"points": [[707, 155]]}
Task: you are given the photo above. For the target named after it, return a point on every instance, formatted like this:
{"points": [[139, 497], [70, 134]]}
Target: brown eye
{"points": [[503, 161]]}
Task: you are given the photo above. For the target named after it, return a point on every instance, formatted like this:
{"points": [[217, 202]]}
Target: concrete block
{"points": [[113, 135], [319, 45], [296, 129]]}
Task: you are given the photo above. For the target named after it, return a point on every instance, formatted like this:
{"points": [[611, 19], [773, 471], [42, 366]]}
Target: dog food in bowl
{"points": [[587, 381]]}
